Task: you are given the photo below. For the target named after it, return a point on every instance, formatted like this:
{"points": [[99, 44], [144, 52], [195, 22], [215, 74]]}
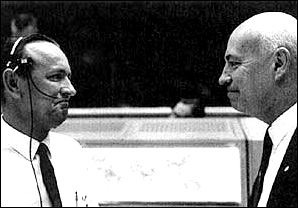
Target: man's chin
{"points": [[58, 120], [57, 123], [237, 106]]}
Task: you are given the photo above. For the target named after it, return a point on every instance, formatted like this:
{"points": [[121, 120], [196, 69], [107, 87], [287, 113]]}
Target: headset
{"points": [[20, 65]]}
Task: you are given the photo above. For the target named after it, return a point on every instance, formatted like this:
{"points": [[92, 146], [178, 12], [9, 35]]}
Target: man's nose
{"points": [[68, 89], [225, 79]]}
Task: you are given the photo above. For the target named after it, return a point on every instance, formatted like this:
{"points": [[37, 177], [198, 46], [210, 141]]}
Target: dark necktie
{"points": [[258, 185], [48, 175]]}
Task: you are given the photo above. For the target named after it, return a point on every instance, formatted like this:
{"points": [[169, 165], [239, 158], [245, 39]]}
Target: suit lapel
{"points": [[285, 185]]}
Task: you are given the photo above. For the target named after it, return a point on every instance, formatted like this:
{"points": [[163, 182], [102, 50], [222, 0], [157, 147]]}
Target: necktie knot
{"points": [[42, 150], [267, 146]]}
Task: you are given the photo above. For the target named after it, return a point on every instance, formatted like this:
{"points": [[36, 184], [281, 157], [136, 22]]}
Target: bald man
{"points": [[260, 74]]}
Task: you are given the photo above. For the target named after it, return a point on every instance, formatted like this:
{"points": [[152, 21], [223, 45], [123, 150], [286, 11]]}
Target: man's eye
{"points": [[234, 63], [56, 77]]}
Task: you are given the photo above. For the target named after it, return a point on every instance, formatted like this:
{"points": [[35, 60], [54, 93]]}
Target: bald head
{"points": [[268, 31], [271, 21], [43, 52]]}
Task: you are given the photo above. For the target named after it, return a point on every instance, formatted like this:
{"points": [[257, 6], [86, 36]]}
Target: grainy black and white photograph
{"points": [[148, 103]]}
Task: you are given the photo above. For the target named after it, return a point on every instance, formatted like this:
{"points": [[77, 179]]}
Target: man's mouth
{"points": [[231, 89], [233, 93], [63, 103]]}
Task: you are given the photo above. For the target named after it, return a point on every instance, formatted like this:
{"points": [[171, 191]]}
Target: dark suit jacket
{"points": [[284, 189]]}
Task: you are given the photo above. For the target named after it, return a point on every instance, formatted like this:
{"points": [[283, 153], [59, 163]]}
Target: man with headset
{"points": [[35, 95]]}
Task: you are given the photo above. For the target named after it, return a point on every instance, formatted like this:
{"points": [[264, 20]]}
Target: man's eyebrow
{"points": [[60, 71], [230, 56]]}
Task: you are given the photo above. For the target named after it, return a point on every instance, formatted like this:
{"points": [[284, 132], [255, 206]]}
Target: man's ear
{"points": [[10, 82], [281, 63]]}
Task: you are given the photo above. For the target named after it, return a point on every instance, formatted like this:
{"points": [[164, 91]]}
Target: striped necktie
{"points": [[48, 175], [258, 185]]}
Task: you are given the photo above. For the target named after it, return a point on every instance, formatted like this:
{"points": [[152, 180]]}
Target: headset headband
{"points": [[15, 62]]}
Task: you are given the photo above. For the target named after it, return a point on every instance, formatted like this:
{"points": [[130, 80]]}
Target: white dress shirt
{"points": [[18, 184], [281, 132]]}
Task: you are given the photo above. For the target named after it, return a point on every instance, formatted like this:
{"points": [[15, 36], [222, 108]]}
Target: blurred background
{"points": [[138, 53]]}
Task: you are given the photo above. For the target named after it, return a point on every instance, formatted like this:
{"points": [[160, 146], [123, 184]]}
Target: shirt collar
{"points": [[20, 142], [285, 123]]}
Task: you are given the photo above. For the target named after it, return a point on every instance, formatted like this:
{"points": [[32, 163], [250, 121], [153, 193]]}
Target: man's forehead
{"points": [[41, 46], [242, 42], [45, 49]]}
